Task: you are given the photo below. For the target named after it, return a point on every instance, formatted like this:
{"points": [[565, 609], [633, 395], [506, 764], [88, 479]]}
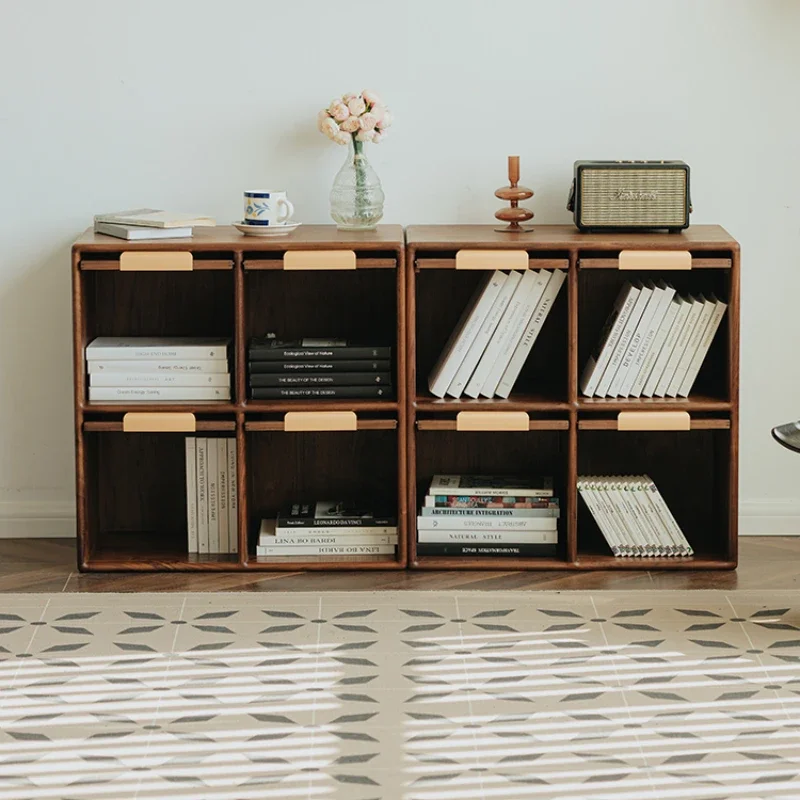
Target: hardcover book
{"points": [[496, 485], [478, 550], [314, 392], [313, 366], [144, 347], [271, 349], [325, 379], [488, 501], [155, 218], [333, 514]]}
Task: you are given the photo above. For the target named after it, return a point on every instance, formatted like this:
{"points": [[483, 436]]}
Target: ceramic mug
{"points": [[267, 207]]}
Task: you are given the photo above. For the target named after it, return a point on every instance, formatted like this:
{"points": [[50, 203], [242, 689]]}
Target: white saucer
{"points": [[266, 230]]}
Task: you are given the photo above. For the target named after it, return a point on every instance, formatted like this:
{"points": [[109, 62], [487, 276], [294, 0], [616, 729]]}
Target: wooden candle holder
{"points": [[513, 194]]}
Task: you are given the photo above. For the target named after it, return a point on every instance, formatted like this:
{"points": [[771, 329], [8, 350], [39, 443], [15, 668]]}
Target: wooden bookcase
{"points": [[566, 434], [131, 485], [131, 494]]}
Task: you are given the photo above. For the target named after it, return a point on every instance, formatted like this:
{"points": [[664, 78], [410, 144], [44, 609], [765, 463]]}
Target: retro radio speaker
{"points": [[630, 195]]}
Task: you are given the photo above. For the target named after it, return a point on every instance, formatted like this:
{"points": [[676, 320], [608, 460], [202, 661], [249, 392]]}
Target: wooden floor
{"points": [[48, 565]]}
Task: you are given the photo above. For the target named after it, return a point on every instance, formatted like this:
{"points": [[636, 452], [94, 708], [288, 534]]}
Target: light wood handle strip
{"points": [[201, 425], [92, 265], [694, 425], [533, 425], [361, 263], [361, 425], [319, 259], [159, 422], [492, 421], [654, 421], [156, 261], [492, 259], [533, 263], [320, 421], [655, 259], [613, 263]]}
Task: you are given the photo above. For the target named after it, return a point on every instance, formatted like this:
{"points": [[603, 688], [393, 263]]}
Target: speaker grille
{"points": [[644, 197]]}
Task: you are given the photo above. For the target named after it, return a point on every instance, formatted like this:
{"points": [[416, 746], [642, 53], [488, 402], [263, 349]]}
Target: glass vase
{"points": [[356, 195]]}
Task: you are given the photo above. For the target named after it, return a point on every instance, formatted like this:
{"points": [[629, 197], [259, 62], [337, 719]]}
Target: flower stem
{"points": [[361, 177]]}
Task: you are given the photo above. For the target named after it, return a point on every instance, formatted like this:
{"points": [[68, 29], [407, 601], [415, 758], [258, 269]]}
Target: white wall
{"points": [[107, 104]]}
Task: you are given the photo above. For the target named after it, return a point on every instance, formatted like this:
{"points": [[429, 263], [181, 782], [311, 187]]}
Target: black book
{"points": [[269, 349], [322, 392], [332, 514], [340, 365], [484, 550], [329, 379]]}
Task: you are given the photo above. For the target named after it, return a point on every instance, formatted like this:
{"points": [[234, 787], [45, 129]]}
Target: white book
{"points": [[233, 499], [706, 312], [180, 367], [487, 524], [326, 550], [222, 495], [644, 301], [202, 495], [102, 394], [135, 232], [612, 516], [610, 488], [653, 380], [151, 348], [191, 494], [212, 489], [624, 340], [455, 350], [487, 537], [662, 533], [531, 333], [475, 351], [338, 538], [662, 297], [666, 515], [703, 348], [501, 334], [609, 338], [695, 307], [598, 516], [490, 486], [496, 513], [147, 379], [653, 545], [653, 353], [518, 325], [154, 218], [354, 530]]}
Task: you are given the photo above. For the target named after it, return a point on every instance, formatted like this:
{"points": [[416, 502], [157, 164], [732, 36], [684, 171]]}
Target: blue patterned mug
{"points": [[267, 207]]}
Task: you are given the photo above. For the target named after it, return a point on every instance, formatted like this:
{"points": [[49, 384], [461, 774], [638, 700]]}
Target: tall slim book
{"points": [[609, 338], [233, 500], [191, 493], [212, 483], [703, 348], [222, 494], [706, 312], [456, 347], [202, 495], [531, 333], [646, 296], [649, 361], [484, 335], [668, 347], [695, 307]]}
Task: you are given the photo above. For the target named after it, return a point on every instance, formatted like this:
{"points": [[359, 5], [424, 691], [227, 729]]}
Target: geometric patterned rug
{"points": [[411, 695]]}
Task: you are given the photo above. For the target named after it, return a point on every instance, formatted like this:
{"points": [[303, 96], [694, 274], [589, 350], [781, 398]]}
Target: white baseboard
{"points": [[36, 520]]}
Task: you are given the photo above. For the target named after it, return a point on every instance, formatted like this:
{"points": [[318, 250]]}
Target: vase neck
{"points": [[356, 148]]}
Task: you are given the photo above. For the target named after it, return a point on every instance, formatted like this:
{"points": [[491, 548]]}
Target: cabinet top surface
{"points": [[448, 237], [226, 237]]}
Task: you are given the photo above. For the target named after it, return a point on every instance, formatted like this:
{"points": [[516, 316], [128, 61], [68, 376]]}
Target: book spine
{"points": [[531, 333], [654, 351], [294, 367], [372, 530], [333, 523], [212, 479], [325, 379], [147, 379], [667, 348], [704, 319], [222, 494], [233, 498], [489, 501], [482, 338], [202, 495], [503, 331], [99, 394], [609, 534], [491, 491], [490, 513], [644, 303], [608, 340], [487, 537], [349, 353], [470, 322], [337, 538], [326, 550], [481, 550], [621, 347], [349, 392], [695, 307], [486, 523], [643, 330], [702, 350], [186, 352], [191, 494], [207, 366]]}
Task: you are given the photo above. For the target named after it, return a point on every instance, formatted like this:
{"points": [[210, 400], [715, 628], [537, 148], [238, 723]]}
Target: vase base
{"points": [[342, 227]]}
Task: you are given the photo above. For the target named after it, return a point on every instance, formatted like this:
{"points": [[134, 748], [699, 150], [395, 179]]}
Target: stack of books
{"points": [[211, 505], [327, 528], [488, 515], [311, 369], [138, 369], [148, 223], [632, 516], [653, 343], [496, 332]]}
